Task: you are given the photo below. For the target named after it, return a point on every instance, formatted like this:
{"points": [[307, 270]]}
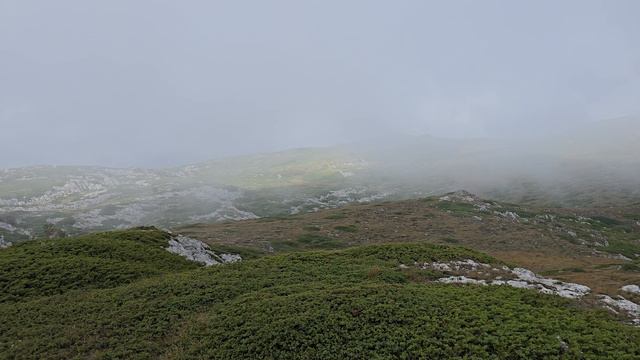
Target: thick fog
{"points": [[160, 83]]}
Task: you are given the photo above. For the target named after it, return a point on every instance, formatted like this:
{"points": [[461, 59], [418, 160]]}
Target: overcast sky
{"points": [[157, 83]]}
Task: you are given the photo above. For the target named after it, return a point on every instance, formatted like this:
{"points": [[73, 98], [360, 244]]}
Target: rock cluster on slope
{"points": [[196, 250]]}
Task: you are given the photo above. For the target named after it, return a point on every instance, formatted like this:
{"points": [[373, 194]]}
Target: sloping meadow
{"points": [[59, 301]]}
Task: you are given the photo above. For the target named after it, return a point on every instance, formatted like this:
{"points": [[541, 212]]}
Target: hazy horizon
{"points": [[158, 84]]}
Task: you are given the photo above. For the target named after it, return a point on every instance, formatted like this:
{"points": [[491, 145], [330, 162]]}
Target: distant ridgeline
{"points": [[594, 166]]}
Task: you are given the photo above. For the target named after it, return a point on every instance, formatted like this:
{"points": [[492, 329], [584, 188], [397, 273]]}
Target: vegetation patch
{"points": [[451, 240], [330, 304], [456, 207], [606, 220], [403, 322], [48, 267], [278, 218], [312, 228], [631, 266], [318, 241], [336, 216], [347, 228], [627, 248]]}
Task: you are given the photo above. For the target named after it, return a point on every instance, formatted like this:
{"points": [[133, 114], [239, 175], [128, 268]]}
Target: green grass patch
{"points": [[606, 221], [48, 267], [346, 228], [328, 304], [318, 241], [312, 228], [394, 321], [631, 266], [628, 248], [336, 216], [456, 207]]}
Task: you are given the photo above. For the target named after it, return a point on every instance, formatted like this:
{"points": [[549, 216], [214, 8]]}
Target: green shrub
{"points": [[336, 216], [329, 304], [318, 241], [347, 228], [312, 228], [103, 260]]}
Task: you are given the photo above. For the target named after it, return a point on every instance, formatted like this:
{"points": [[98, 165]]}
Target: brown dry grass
{"points": [[530, 245]]}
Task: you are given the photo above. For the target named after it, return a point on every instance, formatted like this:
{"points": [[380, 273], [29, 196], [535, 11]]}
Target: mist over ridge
{"points": [[175, 84]]}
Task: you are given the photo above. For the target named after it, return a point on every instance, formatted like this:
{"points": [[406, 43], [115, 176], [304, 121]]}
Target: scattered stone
{"points": [[619, 257], [4, 243], [633, 289], [509, 215], [544, 285], [547, 217], [564, 347], [461, 280], [196, 250], [458, 272], [477, 218], [230, 258], [630, 308], [465, 265]]}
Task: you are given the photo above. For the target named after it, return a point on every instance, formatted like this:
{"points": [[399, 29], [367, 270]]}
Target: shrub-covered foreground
{"points": [[48, 267], [352, 303]]}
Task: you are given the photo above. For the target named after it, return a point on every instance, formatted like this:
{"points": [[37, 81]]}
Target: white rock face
{"points": [[4, 243], [8, 227], [630, 308], [464, 265], [518, 278], [633, 289], [196, 250], [337, 198], [621, 257], [461, 280], [463, 272], [230, 258], [568, 290], [509, 215]]}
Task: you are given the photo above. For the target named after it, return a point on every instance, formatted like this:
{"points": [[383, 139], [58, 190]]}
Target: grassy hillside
{"points": [[103, 260], [576, 245], [348, 303]]}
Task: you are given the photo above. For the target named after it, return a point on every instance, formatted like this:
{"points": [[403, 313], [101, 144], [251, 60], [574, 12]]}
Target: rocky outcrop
{"points": [[4, 243], [550, 286], [472, 272], [629, 308], [632, 289], [196, 250]]}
